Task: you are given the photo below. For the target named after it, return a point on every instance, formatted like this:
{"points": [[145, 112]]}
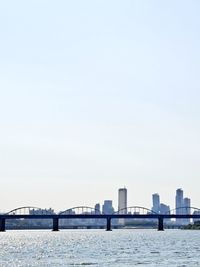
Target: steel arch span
{"points": [[183, 210], [135, 210], [80, 210], [29, 210]]}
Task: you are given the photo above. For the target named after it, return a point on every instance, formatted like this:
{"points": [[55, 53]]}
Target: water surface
{"points": [[119, 248]]}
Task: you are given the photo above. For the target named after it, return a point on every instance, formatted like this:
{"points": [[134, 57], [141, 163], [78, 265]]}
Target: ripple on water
{"points": [[98, 248]]}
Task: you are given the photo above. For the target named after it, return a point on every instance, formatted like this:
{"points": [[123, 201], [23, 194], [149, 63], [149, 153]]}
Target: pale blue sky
{"points": [[95, 95]]}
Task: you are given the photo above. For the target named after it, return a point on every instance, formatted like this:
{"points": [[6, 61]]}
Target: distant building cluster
{"points": [[159, 207], [182, 206]]}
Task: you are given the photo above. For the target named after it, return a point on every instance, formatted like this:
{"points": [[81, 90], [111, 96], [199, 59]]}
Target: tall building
{"points": [[122, 200], [156, 203], [179, 201], [186, 205], [179, 204], [122, 203], [107, 207]]}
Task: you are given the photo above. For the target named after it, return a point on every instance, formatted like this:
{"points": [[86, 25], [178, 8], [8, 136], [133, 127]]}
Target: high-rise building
{"points": [[107, 207], [122, 203], [179, 201], [186, 205], [156, 203], [122, 200], [179, 204]]}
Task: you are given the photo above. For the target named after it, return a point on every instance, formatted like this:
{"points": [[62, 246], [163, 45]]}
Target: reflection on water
{"points": [[100, 248]]}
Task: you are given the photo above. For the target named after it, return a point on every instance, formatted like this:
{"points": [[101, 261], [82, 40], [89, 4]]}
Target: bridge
{"points": [[84, 212]]}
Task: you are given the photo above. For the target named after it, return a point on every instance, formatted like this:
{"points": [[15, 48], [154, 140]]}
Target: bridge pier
{"points": [[160, 224], [55, 224], [2, 225], [108, 224]]}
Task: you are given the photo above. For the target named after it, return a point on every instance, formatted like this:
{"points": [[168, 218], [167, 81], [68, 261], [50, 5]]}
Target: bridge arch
{"points": [[184, 210], [29, 210], [135, 210], [80, 210]]}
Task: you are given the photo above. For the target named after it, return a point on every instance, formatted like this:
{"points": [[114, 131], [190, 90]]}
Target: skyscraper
{"points": [[179, 204], [179, 201], [156, 203], [122, 200], [122, 203], [187, 205]]}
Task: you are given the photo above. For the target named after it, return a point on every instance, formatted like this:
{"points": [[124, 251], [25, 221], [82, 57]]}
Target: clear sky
{"points": [[95, 95]]}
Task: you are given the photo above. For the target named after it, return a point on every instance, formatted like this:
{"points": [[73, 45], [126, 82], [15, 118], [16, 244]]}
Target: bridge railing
{"points": [[184, 210], [80, 210], [135, 210], [29, 210]]}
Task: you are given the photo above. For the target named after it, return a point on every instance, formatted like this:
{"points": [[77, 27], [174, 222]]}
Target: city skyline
{"points": [[108, 206]]}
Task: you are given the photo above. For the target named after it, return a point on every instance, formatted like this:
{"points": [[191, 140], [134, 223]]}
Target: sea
{"points": [[118, 248]]}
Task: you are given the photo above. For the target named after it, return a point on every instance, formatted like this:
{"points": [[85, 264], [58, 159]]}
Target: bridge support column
{"points": [[160, 224], [108, 224], [55, 224], [2, 225]]}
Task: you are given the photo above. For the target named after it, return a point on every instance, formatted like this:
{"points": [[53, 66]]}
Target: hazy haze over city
{"points": [[95, 95]]}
